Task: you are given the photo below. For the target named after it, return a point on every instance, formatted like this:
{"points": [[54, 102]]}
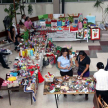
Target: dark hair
{"points": [[20, 23], [65, 50], [26, 18], [23, 15], [11, 31], [82, 53], [100, 65]]}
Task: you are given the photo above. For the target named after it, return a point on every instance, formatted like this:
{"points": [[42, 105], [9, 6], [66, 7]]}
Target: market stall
{"points": [[25, 74], [68, 27], [67, 85]]}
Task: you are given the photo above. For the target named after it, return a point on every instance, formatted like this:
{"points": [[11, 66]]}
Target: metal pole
{"points": [[15, 12]]}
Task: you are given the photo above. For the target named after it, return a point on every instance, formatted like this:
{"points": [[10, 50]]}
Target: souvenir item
{"points": [[95, 34]]}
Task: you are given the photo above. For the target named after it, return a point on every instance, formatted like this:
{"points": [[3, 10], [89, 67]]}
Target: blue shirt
{"points": [[64, 62]]}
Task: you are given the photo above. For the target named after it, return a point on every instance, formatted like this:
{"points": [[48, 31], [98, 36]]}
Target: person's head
{"points": [[65, 52], [27, 19], [100, 65], [23, 16], [82, 54], [21, 24], [12, 29]]}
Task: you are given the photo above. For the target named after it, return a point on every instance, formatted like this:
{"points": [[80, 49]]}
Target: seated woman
{"points": [[12, 37], [28, 23], [101, 79], [24, 33], [22, 28], [23, 18]]}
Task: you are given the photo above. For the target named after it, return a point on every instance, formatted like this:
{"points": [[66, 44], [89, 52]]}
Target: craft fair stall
{"points": [[67, 85], [25, 74], [68, 27]]}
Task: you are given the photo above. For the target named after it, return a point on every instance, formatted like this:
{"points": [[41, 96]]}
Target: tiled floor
{"points": [[22, 100]]}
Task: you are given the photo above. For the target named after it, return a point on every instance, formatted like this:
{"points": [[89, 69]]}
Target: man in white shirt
{"points": [[23, 18], [101, 79]]}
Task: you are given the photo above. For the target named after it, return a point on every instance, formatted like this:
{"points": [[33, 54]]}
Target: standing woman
{"points": [[65, 63], [83, 63]]}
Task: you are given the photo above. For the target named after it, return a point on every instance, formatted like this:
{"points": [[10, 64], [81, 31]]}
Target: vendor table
{"points": [[46, 92], [20, 88]]}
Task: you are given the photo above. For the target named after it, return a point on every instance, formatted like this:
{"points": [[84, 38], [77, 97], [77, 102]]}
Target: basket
{"points": [[49, 79]]}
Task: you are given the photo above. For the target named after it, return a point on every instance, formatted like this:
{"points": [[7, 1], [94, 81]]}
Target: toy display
{"points": [[74, 85]]}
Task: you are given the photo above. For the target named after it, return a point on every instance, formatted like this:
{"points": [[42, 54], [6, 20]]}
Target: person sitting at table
{"points": [[23, 18], [12, 37], [22, 28], [65, 63], [1, 81], [28, 23], [101, 79], [83, 63]]}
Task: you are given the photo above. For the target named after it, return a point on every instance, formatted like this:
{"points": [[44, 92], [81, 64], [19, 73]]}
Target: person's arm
{"points": [[25, 28], [76, 62], [21, 34], [87, 66], [71, 63], [14, 35], [9, 35], [59, 66]]}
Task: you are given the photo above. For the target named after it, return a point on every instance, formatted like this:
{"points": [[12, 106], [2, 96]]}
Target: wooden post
{"points": [[15, 12]]}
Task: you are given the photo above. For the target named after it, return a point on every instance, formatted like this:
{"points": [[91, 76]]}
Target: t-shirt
{"points": [[83, 63], [101, 80], [28, 24], [22, 20], [64, 62]]}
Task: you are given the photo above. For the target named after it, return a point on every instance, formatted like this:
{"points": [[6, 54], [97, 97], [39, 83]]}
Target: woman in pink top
{"points": [[28, 23]]}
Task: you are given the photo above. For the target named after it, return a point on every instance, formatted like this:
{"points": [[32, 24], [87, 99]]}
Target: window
{"points": [[70, 0], [43, 0], [30, 1], [7, 1], [87, 0]]}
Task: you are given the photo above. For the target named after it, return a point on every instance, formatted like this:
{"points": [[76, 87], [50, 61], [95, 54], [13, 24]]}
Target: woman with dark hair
{"points": [[83, 63], [12, 37], [23, 18], [65, 63], [22, 28], [28, 23], [101, 79]]}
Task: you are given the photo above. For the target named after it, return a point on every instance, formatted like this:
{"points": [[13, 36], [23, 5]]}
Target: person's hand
{"points": [[14, 40], [66, 67], [77, 65], [69, 68], [81, 75]]}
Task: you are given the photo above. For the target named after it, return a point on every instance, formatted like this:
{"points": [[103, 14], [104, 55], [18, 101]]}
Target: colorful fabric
{"points": [[51, 60], [45, 16], [40, 17], [30, 91], [52, 55]]}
